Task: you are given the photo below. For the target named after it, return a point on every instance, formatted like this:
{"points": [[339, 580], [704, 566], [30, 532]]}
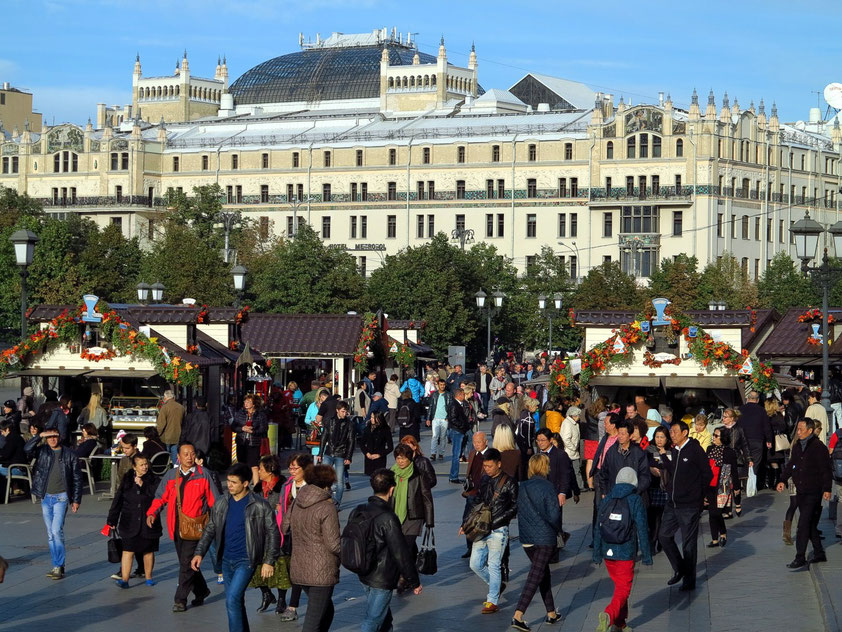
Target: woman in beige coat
{"points": [[313, 522]]}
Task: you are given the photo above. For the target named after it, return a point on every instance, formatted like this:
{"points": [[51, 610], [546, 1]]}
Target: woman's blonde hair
{"points": [[504, 439], [539, 465], [93, 404], [292, 385], [771, 406], [531, 404]]}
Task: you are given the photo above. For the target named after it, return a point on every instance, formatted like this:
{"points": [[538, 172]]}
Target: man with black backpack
{"points": [[622, 528], [373, 547], [409, 417]]}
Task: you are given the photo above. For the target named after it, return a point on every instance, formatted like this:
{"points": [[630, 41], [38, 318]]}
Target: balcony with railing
{"points": [[634, 194], [102, 201]]}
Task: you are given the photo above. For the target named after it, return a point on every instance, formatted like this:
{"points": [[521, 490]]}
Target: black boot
{"points": [[268, 599], [282, 601]]}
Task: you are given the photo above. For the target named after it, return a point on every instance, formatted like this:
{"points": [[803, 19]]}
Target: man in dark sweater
{"points": [[688, 481], [756, 427], [624, 453], [810, 470]]}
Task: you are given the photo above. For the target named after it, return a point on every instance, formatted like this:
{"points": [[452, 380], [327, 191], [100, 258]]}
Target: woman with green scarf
{"points": [[412, 500]]}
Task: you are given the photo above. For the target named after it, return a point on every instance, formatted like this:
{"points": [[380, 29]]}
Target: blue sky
{"points": [[74, 53]]}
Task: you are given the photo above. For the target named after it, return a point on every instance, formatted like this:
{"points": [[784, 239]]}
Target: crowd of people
{"points": [[515, 452]]}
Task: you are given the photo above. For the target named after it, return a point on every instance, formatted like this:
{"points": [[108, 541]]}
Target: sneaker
{"points": [[151, 582], [288, 615], [553, 620], [520, 625], [122, 584], [490, 608], [179, 607], [604, 622], [220, 579], [56, 573], [347, 486], [139, 572], [116, 576]]}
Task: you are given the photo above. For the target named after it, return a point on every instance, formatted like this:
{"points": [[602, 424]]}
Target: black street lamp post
{"points": [[491, 310], [24, 241]]}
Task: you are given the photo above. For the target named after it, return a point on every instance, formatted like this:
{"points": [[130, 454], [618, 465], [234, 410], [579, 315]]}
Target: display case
{"points": [[133, 413]]}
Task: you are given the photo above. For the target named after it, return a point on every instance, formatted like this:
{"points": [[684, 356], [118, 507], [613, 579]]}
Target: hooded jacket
{"points": [[640, 537], [314, 524]]}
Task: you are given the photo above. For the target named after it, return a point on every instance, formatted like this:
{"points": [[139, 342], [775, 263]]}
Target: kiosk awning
{"points": [[49, 373], [625, 380], [141, 374]]}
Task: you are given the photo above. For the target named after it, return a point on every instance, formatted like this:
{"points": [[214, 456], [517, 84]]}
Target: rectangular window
{"points": [[235, 162], [124, 161], [744, 265], [460, 222], [296, 159], [733, 227], [574, 267], [769, 230], [353, 234], [639, 219], [656, 146], [205, 160], [781, 231], [574, 187], [656, 185], [460, 190], [531, 188], [719, 230], [391, 226], [353, 191], [608, 187], [393, 157], [641, 185], [530, 261], [562, 187], [460, 155], [629, 185], [115, 162], [431, 190], [392, 191], [5, 165], [501, 189], [644, 146], [489, 225], [501, 224], [419, 227], [574, 224], [65, 161], [74, 163], [290, 193], [607, 224], [489, 189], [363, 266], [678, 184], [495, 153], [326, 227], [426, 156], [289, 226], [73, 196], [431, 225], [677, 223], [630, 144], [420, 187], [756, 269], [568, 151], [117, 221], [325, 193], [744, 225], [359, 157], [264, 227], [363, 227], [606, 258], [327, 159], [118, 193], [239, 194], [531, 225], [757, 229], [264, 193], [562, 225], [533, 153], [55, 195], [175, 164]]}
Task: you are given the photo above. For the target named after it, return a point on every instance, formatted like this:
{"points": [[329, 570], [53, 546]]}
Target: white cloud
{"points": [[74, 104]]}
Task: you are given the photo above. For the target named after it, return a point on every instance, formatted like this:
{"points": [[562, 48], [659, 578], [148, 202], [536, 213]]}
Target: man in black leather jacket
{"points": [[56, 481], [337, 447], [499, 492], [392, 555]]}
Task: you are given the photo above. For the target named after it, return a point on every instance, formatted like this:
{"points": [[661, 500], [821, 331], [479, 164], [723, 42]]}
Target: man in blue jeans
{"points": [[243, 527], [499, 492], [391, 554], [458, 423], [337, 447], [57, 483]]}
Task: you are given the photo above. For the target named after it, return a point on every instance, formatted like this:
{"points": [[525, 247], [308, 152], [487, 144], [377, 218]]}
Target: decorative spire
{"points": [[137, 57], [473, 48], [762, 109], [836, 122], [711, 99], [774, 110], [185, 54], [217, 60], [694, 100], [725, 103], [224, 62], [441, 43]]}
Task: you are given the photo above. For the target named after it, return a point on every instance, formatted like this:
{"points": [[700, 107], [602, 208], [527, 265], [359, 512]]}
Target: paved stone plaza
{"points": [[742, 587]]}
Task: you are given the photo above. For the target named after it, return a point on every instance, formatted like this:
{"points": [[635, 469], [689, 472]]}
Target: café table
{"points": [[115, 459]]}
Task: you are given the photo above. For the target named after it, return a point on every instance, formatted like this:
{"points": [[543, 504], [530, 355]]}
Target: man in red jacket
{"points": [[198, 493]]}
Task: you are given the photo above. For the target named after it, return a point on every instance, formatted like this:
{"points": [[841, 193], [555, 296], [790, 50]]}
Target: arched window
{"points": [[679, 148], [405, 82], [432, 80], [643, 146], [412, 82], [609, 150], [426, 80], [177, 90], [391, 82], [630, 147], [656, 146]]}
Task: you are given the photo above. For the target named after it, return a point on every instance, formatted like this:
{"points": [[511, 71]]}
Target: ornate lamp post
{"points": [[549, 311], [142, 292], [807, 232], [462, 236], [24, 241], [239, 273], [157, 292], [491, 310]]}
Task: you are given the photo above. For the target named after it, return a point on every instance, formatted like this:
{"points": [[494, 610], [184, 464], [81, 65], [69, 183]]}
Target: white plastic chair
{"points": [[13, 475]]}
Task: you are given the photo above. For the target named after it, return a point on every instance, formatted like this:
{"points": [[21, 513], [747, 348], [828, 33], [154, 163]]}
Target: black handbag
{"points": [[427, 560], [115, 548]]}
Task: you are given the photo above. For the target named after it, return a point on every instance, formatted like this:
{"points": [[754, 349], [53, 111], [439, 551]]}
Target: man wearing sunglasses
{"points": [[57, 483]]}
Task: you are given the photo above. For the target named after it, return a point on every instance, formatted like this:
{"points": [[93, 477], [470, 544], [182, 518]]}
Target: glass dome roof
{"points": [[320, 74]]}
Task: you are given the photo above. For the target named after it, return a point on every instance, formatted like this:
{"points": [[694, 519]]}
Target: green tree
{"points": [[200, 212], [608, 287], [110, 264], [725, 280], [783, 286], [304, 276], [55, 273], [678, 280]]}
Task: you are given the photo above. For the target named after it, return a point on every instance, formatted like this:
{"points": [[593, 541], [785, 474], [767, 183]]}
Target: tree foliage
{"points": [[608, 287], [678, 280], [725, 280], [783, 286]]}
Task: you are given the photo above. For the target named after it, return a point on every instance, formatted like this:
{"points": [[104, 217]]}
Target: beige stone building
{"points": [[16, 111], [380, 146]]}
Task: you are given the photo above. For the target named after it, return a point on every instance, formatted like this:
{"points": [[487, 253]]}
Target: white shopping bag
{"points": [[751, 484]]}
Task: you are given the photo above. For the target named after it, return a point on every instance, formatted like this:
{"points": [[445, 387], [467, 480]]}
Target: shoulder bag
{"points": [[478, 523], [188, 528]]}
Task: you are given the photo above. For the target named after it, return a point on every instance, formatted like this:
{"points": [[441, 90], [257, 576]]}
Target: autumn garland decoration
{"points": [[123, 338], [814, 313], [650, 360], [203, 315], [363, 344], [404, 355], [242, 315], [561, 379]]}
